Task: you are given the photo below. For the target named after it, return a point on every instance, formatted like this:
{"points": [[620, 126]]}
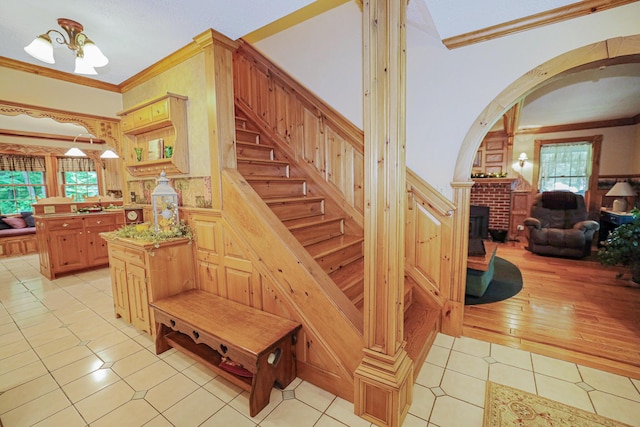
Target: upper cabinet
{"points": [[156, 136]]}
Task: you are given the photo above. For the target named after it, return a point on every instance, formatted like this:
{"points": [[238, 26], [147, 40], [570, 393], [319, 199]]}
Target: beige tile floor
{"points": [[66, 361]]}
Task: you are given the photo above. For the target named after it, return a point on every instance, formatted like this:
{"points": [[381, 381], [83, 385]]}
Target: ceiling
{"points": [[137, 34]]}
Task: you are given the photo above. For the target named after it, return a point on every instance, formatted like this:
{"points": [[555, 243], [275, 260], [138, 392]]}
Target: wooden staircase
{"points": [[322, 233]]}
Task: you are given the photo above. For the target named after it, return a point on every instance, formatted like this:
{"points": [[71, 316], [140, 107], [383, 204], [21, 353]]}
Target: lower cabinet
{"points": [[70, 242], [142, 272]]}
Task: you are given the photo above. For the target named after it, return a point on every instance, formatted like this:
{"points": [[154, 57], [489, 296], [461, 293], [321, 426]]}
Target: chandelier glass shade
{"points": [[88, 55]]}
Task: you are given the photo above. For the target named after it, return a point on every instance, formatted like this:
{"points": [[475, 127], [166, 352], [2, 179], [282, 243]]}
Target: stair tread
{"points": [[297, 199], [349, 275], [333, 244], [273, 178], [257, 160], [298, 223], [255, 145], [255, 132]]}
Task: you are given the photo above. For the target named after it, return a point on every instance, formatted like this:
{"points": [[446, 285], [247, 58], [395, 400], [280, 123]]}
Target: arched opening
{"points": [[613, 51]]}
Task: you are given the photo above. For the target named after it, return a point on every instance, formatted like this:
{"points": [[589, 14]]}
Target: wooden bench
{"points": [[213, 330]]}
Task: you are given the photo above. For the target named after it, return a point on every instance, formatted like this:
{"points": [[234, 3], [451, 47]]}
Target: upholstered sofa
{"points": [[558, 225]]}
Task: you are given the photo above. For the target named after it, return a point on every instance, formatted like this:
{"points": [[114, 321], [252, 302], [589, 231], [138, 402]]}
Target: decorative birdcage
{"points": [[164, 201]]}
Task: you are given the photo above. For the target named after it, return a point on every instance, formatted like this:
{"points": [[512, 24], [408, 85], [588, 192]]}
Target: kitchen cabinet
{"points": [[148, 129], [70, 242]]}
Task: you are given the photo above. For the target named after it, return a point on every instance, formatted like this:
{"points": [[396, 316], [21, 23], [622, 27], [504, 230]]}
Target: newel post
{"points": [[218, 65], [384, 378]]}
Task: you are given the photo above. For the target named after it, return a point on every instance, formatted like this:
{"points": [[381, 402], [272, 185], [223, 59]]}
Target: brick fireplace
{"points": [[496, 194]]}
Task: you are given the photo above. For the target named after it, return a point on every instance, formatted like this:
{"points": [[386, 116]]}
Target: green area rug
{"points": [[508, 407], [506, 282]]}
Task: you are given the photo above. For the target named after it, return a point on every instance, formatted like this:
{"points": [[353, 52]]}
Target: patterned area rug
{"points": [[506, 406]]}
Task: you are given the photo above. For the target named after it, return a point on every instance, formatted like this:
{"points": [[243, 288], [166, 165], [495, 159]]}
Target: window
{"points": [[21, 180], [80, 185], [78, 177], [569, 164], [565, 167]]}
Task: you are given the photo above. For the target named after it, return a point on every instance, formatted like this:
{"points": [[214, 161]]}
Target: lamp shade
{"points": [[84, 67], [75, 152], [109, 154], [523, 156], [41, 49], [93, 55], [621, 189]]}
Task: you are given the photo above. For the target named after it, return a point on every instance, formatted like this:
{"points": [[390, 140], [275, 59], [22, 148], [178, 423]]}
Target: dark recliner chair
{"points": [[558, 225]]}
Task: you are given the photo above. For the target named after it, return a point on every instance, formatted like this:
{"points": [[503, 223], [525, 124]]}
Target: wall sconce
{"points": [[621, 190], [522, 159], [88, 55]]}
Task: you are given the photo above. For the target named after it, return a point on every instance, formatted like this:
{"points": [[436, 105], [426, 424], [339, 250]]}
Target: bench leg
{"points": [[161, 342]]}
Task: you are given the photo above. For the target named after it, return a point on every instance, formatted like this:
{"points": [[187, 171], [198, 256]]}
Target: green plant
{"points": [[622, 247], [148, 234]]}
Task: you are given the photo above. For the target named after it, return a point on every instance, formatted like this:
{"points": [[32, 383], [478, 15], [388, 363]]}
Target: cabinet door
{"points": [[68, 250], [43, 248], [118, 270], [97, 249], [138, 297]]}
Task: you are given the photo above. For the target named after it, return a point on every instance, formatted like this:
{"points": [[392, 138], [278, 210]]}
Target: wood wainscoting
{"points": [[574, 310]]}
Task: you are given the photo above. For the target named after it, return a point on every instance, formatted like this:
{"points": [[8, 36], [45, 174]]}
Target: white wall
{"points": [[447, 90]]}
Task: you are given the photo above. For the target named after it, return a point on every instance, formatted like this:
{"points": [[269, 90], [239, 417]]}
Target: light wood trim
{"points": [[433, 198], [321, 306], [104, 128], [55, 74], [575, 10], [310, 11], [384, 378], [329, 113], [629, 121], [428, 258]]}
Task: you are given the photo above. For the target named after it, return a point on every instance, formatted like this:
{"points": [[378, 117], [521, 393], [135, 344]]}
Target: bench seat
{"points": [[250, 348]]}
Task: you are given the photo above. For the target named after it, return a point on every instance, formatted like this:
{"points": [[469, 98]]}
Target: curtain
{"points": [[13, 162], [75, 164], [565, 167]]}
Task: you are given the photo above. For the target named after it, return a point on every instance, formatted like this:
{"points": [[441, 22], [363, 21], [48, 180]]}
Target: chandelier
{"points": [[88, 55]]}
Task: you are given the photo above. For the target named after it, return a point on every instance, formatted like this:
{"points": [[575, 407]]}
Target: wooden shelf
{"points": [[149, 128]]}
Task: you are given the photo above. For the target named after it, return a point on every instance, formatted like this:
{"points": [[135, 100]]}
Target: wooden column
{"points": [[454, 311], [218, 63], [384, 378]]}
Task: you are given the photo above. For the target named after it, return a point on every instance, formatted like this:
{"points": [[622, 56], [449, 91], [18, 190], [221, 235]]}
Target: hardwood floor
{"points": [[575, 310]]}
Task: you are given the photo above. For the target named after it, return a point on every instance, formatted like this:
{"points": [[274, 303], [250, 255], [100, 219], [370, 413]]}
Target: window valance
{"points": [[76, 164], [17, 162]]}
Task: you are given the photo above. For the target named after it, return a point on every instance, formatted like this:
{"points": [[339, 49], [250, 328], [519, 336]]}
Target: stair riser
{"points": [[241, 123], [258, 169], [318, 233], [246, 136], [272, 189], [255, 151], [333, 261], [286, 211]]}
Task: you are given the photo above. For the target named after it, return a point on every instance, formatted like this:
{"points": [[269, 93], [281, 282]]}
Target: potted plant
{"points": [[622, 247]]}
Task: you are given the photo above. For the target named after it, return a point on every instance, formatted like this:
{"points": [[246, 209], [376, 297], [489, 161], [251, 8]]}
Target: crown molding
{"points": [[55, 74], [630, 121], [583, 8]]}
